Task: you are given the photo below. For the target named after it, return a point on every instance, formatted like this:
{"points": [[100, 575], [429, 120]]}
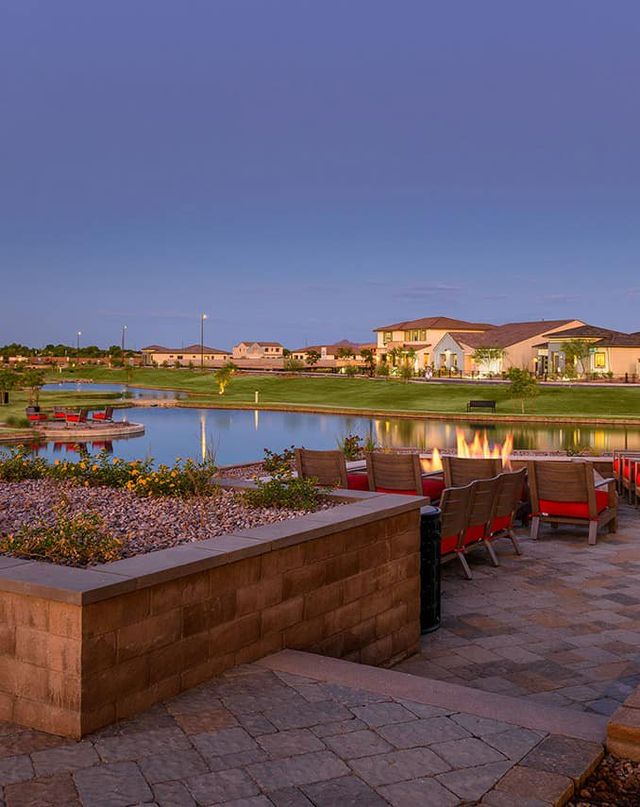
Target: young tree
{"points": [[345, 353], [576, 356], [523, 385], [312, 357], [486, 356], [369, 358], [293, 365], [224, 375], [7, 382], [32, 381]]}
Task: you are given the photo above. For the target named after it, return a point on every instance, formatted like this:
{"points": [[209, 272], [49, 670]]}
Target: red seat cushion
{"points": [[448, 544], [501, 523], [574, 509], [356, 481], [432, 486]]}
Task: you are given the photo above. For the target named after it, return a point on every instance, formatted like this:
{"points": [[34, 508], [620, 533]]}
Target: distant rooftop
{"points": [[186, 349]]}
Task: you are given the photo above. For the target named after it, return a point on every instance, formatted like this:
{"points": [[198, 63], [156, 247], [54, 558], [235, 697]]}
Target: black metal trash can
{"points": [[429, 569]]}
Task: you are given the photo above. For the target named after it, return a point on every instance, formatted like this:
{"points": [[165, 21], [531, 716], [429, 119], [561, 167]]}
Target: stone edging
{"points": [[623, 730]]}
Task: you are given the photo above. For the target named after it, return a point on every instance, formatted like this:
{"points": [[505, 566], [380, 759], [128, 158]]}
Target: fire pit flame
{"points": [[478, 447]]}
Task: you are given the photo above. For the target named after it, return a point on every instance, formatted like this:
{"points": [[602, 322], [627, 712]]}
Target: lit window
{"points": [[600, 360], [387, 336]]}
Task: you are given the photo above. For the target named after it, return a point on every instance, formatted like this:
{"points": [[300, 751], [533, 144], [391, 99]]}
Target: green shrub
{"points": [[73, 540], [274, 463], [19, 464], [285, 491], [351, 446], [18, 422]]}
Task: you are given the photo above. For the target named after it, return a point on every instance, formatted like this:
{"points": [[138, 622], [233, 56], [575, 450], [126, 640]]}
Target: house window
{"points": [[423, 336], [600, 360], [387, 336]]}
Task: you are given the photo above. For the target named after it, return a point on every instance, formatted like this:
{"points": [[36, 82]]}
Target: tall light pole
{"points": [[124, 331], [78, 335], [202, 319]]}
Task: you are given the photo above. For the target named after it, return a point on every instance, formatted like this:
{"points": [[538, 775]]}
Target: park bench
{"points": [[481, 405]]}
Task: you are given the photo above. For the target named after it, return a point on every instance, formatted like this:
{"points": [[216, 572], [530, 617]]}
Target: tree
{"points": [[369, 358], [293, 365], [351, 370], [312, 357], [7, 382], [31, 380], [345, 353], [576, 356], [487, 356], [406, 372], [224, 375], [523, 385]]}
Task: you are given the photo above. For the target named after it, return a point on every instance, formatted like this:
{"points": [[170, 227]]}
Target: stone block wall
{"points": [[343, 582]]}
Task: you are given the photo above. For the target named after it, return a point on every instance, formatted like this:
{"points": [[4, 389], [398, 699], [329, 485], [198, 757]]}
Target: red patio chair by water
{"points": [[34, 415], [484, 495], [59, 413], [570, 493], [396, 473], [104, 415], [79, 416], [329, 468], [508, 499]]}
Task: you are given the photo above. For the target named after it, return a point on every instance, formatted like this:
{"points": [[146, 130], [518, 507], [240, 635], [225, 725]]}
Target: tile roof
{"points": [[584, 332], [509, 334], [438, 323], [335, 346], [620, 340], [262, 344]]}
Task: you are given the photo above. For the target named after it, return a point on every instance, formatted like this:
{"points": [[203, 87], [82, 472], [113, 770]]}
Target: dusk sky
{"points": [[306, 170]]}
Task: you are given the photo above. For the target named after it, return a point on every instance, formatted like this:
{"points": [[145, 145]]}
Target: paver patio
{"points": [[258, 737], [559, 625]]}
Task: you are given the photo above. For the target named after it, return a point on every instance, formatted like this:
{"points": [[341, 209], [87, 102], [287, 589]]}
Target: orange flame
{"points": [[478, 447]]}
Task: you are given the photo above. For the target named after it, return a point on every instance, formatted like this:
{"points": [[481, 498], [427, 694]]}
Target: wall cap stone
{"points": [[83, 586]]}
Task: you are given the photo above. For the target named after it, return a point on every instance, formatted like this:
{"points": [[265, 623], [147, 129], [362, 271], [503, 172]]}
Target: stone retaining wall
{"points": [[80, 649]]}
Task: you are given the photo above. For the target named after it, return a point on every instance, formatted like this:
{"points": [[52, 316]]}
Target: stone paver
{"points": [[296, 742], [559, 624]]}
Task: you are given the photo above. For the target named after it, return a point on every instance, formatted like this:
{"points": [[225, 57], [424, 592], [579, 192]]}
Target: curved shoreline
{"points": [[90, 432]]}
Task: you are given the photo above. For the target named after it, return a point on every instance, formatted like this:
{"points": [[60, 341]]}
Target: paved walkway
{"points": [[260, 736], [559, 625]]}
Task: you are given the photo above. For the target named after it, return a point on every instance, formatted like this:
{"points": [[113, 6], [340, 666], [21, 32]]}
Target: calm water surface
{"points": [[124, 389], [241, 436]]}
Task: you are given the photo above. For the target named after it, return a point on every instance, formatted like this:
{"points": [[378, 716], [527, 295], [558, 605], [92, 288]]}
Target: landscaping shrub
{"points": [[274, 462], [351, 446], [73, 540], [19, 464], [285, 491]]}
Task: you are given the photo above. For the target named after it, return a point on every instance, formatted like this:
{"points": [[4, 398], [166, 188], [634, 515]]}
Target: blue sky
{"points": [[306, 171]]}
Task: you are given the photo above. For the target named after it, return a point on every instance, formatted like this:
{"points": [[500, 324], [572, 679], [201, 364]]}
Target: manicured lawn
{"points": [[377, 394]]}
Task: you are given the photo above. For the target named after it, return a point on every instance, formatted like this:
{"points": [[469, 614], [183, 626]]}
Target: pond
{"points": [[124, 389], [236, 436]]}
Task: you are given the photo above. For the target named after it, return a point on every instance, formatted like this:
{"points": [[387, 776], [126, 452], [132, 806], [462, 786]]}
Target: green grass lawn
{"points": [[379, 394]]}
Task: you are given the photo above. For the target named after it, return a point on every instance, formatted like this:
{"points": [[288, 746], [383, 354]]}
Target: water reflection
{"points": [[241, 436], [124, 389]]}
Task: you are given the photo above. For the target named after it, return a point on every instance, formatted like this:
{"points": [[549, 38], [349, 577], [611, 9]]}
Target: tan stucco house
{"points": [[514, 344], [335, 354], [421, 336], [258, 350], [183, 356]]}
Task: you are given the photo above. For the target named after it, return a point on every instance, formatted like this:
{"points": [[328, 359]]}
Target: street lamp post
{"points": [[202, 319], [124, 331], [78, 335]]}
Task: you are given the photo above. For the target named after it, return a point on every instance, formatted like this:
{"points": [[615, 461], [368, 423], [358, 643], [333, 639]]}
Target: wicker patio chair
{"points": [[568, 493], [329, 469]]}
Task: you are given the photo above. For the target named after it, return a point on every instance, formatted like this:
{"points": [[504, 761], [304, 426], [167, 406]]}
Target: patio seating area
{"points": [[559, 624]]}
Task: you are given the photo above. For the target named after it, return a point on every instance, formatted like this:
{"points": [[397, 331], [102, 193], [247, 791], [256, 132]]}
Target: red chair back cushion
{"points": [[432, 487], [356, 481]]}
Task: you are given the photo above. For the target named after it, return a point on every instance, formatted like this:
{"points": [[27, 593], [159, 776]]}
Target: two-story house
{"points": [[417, 338], [258, 350]]}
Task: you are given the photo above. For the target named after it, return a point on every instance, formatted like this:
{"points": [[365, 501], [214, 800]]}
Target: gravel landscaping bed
{"points": [[143, 524], [615, 783]]}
